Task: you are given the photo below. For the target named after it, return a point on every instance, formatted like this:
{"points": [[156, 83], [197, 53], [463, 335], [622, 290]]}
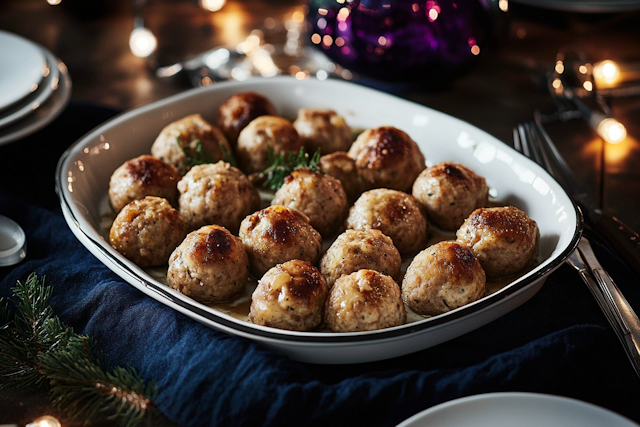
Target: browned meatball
{"points": [[441, 278], [356, 250], [450, 192], [140, 177], [387, 157], [216, 194], [261, 135], [188, 141], [210, 265], [322, 129], [239, 110], [503, 239], [277, 234], [146, 231], [342, 167], [364, 301], [397, 214], [318, 196], [290, 296]]}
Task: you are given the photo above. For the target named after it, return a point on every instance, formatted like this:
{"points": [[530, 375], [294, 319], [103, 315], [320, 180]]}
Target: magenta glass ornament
{"points": [[401, 40]]}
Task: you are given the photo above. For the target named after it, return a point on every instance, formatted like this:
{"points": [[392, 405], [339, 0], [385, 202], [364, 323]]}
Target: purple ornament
{"points": [[401, 40]]}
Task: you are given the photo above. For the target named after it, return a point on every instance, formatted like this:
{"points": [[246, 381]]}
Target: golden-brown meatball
{"points": [[387, 157], [146, 231], [503, 239], [290, 296], [342, 167], [216, 194], [189, 141], [441, 278], [364, 301], [210, 265], [140, 177], [320, 197], [261, 135], [450, 192], [397, 214], [322, 129], [276, 235], [239, 110], [356, 250]]}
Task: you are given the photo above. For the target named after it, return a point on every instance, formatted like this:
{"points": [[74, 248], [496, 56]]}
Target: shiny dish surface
{"points": [[84, 170]]}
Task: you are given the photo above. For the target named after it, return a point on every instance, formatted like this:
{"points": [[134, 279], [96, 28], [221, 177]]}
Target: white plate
{"points": [[585, 6], [21, 65], [516, 409], [49, 83], [43, 115], [84, 170]]}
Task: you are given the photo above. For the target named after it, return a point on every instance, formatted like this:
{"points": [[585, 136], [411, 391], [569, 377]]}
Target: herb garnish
{"points": [[281, 165], [198, 155]]}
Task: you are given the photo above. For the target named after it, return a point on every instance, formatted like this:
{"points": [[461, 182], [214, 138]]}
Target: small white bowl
{"points": [[13, 242]]}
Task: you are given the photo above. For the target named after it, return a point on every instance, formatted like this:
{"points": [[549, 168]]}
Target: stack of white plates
{"points": [[34, 87]]}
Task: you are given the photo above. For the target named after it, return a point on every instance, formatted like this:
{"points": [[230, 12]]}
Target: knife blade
{"points": [[613, 304], [624, 240]]}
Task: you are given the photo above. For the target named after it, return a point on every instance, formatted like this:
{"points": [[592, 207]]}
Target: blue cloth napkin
{"points": [[558, 342]]}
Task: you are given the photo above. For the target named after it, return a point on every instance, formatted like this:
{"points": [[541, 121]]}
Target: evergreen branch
{"points": [[281, 165]]}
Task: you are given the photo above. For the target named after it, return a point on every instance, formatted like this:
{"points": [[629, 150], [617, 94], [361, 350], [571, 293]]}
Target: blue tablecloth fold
{"points": [[558, 342]]}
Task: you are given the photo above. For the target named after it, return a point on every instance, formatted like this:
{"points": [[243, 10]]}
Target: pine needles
{"points": [[37, 349]]}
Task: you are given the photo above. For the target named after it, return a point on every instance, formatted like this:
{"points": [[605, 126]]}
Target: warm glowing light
{"points": [[45, 421], [339, 41], [298, 16], [588, 86], [559, 67], [54, 2], [557, 83], [342, 26], [612, 131], [322, 11], [606, 72], [142, 42], [316, 39], [327, 40], [212, 5], [301, 75], [583, 69], [415, 7], [504, 5], [382, 40], [475, 49], [343, 14], [433, 14]]}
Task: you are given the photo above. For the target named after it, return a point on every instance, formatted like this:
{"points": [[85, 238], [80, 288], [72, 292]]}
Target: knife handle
{"points": [[622, 238]]}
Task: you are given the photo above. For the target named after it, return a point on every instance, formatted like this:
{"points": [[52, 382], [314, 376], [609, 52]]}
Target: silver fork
{"points": [[531, 140]]}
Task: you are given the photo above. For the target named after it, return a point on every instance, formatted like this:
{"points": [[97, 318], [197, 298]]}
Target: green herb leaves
{"points": [[281, 165]]}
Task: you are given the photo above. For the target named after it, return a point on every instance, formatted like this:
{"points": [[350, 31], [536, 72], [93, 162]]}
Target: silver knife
{"points": [[622, 238], [619, 313]]}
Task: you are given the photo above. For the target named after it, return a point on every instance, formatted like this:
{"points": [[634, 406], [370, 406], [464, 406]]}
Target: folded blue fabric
{"points": [[557, 343]]}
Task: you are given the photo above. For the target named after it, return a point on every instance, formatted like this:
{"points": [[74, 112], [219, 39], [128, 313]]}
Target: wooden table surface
{"points": [[502, 90]]}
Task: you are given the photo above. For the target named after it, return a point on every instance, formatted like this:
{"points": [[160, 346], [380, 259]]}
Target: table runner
{"points": [[558, 342]]}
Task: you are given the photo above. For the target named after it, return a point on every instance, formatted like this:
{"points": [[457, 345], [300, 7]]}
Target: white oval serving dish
{"points": [[84, 170]]}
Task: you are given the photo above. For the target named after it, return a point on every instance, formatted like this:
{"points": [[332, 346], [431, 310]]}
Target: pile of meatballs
{"points": [[373, 200]]}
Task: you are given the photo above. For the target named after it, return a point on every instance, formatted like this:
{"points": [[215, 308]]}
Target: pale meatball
{"points": [[320, 197], [356, 250], [364, 301], [146, 231], [290, 296], [210, 265], [140, 177], [261, 135], [322, 129], [503, 239], [387, 157], [397, 214], [188, 141], [239, 110], [342, 167], [216, 194], [276, 235], [441, 278], [450, 192]]}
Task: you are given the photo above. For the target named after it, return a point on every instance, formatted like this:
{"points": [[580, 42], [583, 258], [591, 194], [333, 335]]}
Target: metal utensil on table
{"points": [[531, 140], [622, 238]]}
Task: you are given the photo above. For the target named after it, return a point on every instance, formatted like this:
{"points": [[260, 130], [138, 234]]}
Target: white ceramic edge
{"points": [[47, 86], [335, 352], [44, 115], [20, 91], [421, 419]]}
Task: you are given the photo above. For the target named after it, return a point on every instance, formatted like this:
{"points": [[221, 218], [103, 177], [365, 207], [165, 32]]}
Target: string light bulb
{"points": [[142, 42], [608, 128], [45, 421], [607, 72], [212, 5]]}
